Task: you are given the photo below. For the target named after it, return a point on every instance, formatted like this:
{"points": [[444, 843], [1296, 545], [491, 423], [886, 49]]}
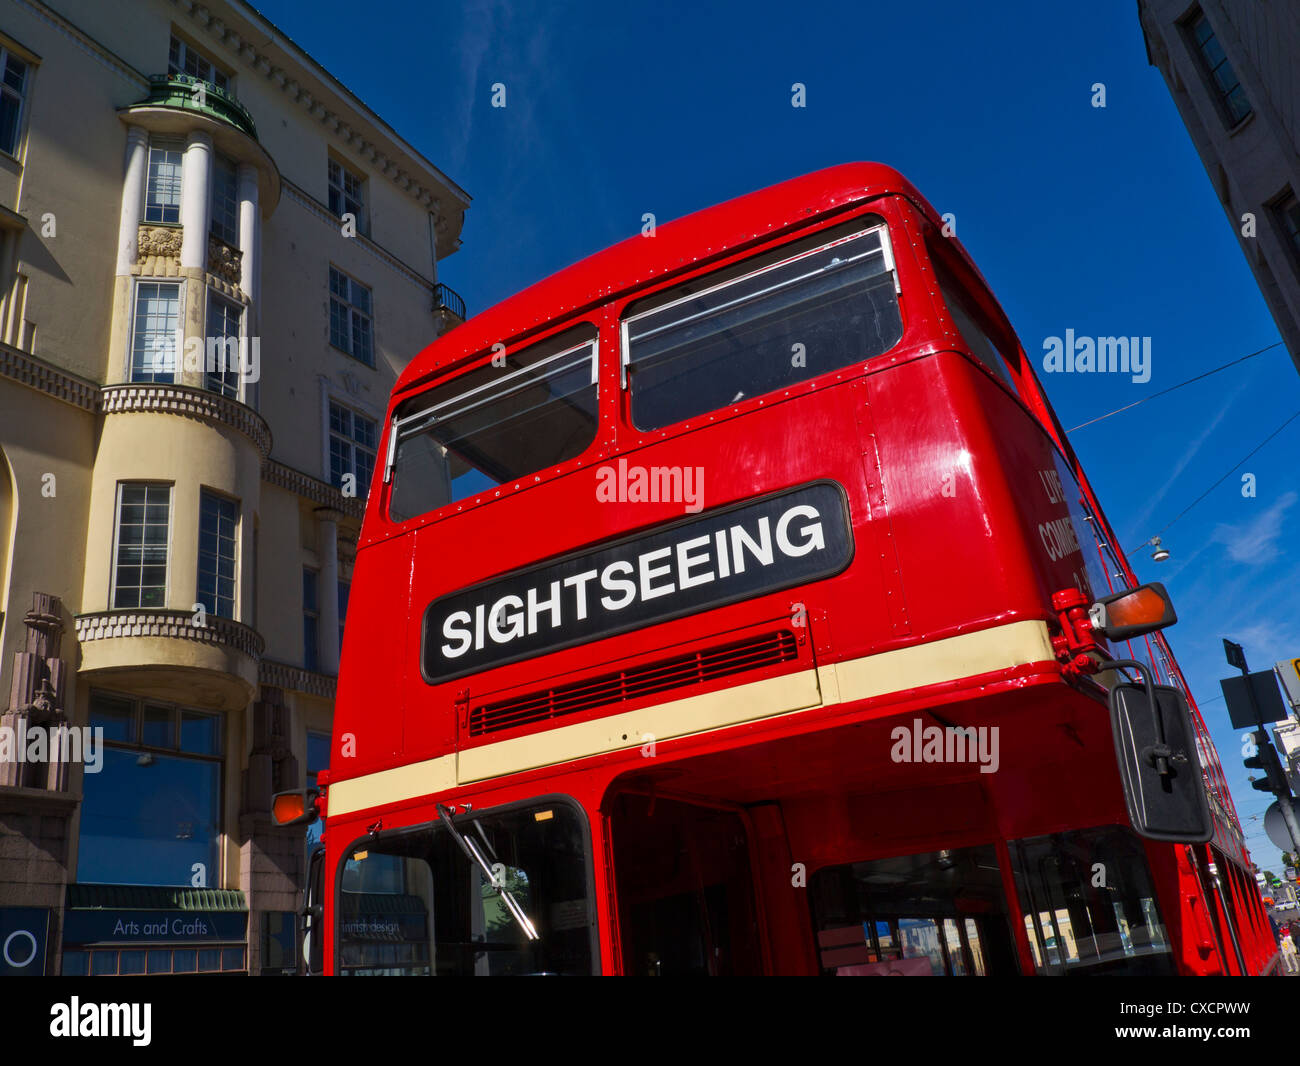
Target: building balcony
{"points": [[182, 91], [162, 654], [187, 401], [178, 105], [448, 307]]}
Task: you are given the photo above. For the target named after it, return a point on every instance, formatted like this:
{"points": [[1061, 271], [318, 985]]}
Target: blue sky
{"points": [[1099, 220]]}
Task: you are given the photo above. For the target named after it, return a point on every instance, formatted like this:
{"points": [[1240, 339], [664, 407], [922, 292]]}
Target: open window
{"points": [[825, 303], [493, 425]]}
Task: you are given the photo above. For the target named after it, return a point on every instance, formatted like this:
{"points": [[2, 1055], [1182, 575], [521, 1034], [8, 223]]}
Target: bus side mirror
{"points": [[1164, 789], [295, 808], [1133, 612]]}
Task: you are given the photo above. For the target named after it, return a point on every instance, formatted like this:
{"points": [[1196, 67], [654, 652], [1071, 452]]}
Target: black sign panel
{"points": [[23, 935], [1245, 697], [719, 557]]}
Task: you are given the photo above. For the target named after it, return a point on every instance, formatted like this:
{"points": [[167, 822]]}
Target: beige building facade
{"points": [[1231, 69], [214, 262]]}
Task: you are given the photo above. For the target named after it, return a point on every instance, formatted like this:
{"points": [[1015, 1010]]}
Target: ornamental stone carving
{"points": [[161, 241], [224, 261], [36, 700]]}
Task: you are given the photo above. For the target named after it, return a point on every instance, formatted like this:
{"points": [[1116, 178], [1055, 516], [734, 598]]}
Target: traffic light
{"points": [[1266, 759]]}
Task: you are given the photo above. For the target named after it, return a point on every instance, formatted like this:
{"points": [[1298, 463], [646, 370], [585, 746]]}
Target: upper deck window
{"points": [[493, 425], [970, 321], [771, 328]]}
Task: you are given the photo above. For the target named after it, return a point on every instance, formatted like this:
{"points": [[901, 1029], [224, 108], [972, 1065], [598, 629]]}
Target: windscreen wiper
{"points": [[473, 853]]}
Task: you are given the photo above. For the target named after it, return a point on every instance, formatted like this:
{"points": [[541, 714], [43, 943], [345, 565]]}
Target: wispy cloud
{"points": [[1266, 641], [1254, 542], [481, 29], [1140, 520]]}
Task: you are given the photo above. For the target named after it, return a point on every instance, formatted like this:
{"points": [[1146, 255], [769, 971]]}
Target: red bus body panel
{"points": [[957, 488]]}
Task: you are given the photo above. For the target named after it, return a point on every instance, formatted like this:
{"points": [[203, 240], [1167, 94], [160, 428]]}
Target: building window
{"points": [[13, 93], [350, 313], [162, 201], [183, 58], [153, 333], [1287, 212], [225, 200], [152, 814], [221, 373], [1223, 79], [218, 522], [347, 193], [353, 440], [108, 962], [310, 621], [318, 756], [140, 552], [279, 943]]}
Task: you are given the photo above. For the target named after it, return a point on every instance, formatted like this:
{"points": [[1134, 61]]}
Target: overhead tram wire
{"points": [[1162, 392], [1221, 480]]}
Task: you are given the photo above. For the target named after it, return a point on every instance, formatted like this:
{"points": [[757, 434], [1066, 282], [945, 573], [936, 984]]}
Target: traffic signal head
{"points": [[1266, 759]]}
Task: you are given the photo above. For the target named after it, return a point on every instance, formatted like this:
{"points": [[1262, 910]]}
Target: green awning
{"points": [[155, 898]]}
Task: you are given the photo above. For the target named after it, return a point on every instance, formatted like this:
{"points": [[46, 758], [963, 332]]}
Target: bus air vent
{"points": [[634, 682]]}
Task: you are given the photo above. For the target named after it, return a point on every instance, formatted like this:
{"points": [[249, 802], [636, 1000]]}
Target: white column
{"points": [[196, 200], [250, 233], [135, 170], [250, 269], [327, 548]]}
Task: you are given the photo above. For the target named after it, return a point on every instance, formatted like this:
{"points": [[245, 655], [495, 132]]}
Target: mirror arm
{"points": [[1158, 754]]}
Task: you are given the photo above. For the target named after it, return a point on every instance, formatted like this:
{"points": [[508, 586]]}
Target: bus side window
{"points": [[969, 320]]}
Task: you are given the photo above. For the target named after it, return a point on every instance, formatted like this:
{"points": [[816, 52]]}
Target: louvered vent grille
{"points": [[707, 664]]}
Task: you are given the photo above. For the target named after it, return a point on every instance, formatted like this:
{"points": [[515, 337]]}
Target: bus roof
{"points": [[677, 245]]}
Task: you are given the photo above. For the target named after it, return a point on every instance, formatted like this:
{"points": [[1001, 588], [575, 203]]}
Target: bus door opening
{"points": [[685, 889]]}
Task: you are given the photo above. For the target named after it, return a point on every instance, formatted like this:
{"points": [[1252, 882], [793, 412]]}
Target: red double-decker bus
{"points": [[722, 607]]}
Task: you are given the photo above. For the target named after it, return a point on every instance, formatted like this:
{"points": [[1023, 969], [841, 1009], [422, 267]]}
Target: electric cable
{"points": [[1162, 392]]}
